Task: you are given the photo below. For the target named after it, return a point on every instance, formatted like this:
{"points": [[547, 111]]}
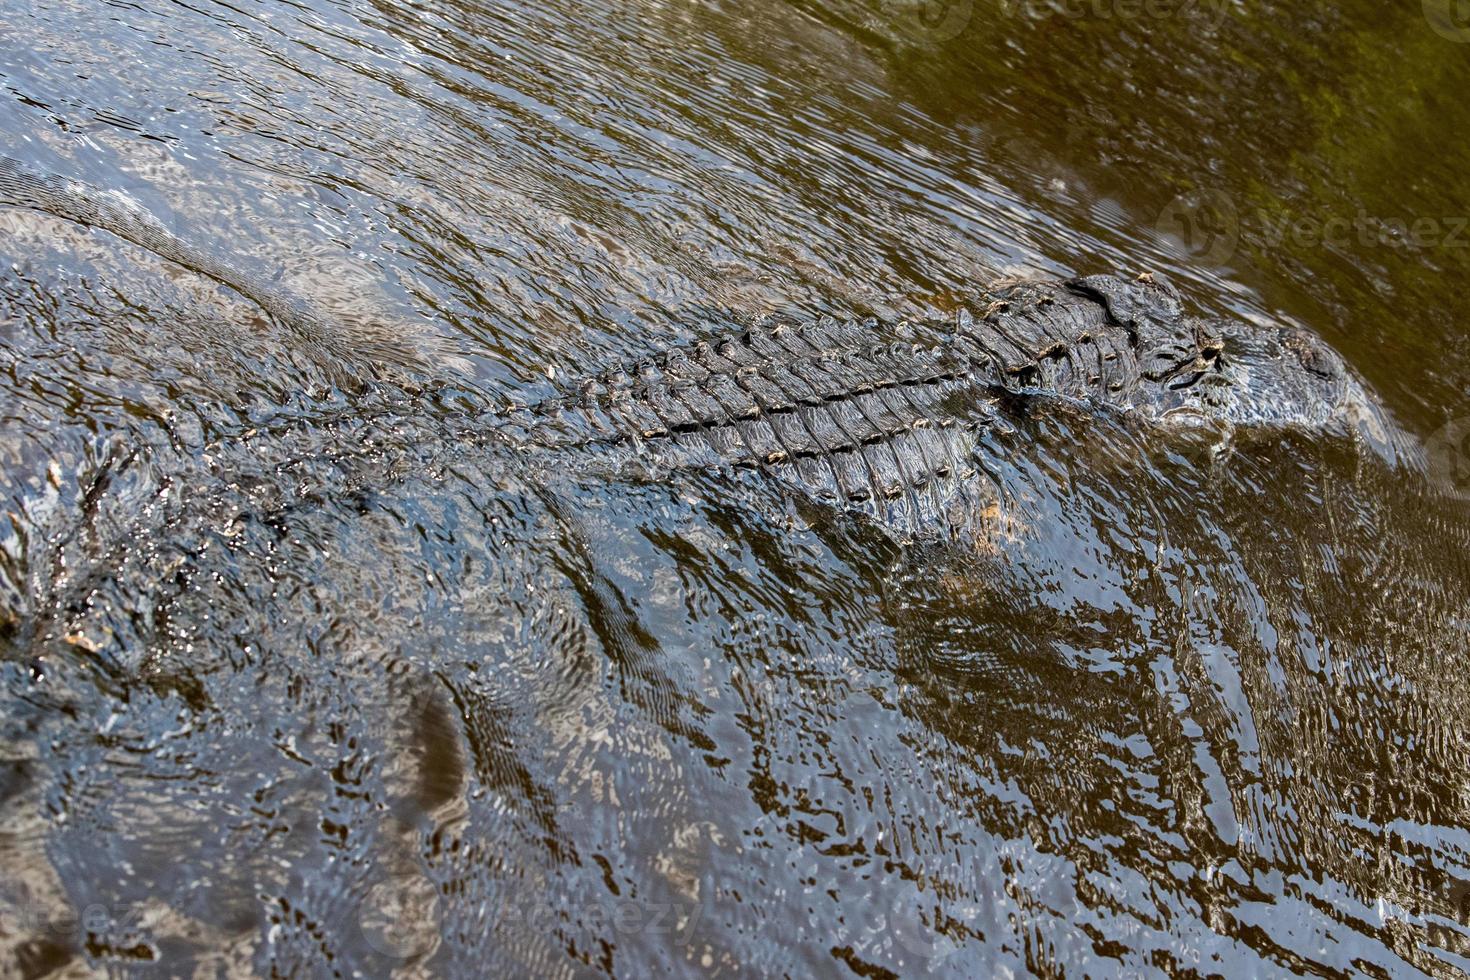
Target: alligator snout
{"points": [[1269, 378]]}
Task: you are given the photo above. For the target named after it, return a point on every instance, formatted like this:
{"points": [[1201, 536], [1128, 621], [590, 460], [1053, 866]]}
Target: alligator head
{"points": [[1247, 377], [1267, 379]]}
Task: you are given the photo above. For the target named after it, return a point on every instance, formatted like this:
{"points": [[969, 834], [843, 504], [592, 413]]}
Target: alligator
{"points": [[856, 418], [887, 420]]}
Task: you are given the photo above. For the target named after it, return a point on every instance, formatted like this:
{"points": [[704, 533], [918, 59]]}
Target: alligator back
{"points": [[898, 422], [908, 423]]}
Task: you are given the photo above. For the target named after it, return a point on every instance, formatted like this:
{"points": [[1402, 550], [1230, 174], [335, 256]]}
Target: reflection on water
{"points": [[297, 677]]}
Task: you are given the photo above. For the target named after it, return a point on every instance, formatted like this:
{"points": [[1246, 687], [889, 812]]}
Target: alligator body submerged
{"points": [[893, 422], [854, 416]]}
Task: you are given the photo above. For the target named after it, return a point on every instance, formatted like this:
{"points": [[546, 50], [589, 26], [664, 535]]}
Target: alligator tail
{"points": [[116, 213]]}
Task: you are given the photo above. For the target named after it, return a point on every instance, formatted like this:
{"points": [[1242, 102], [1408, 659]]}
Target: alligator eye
{"points": [[1311, 356], [1314, 361]]}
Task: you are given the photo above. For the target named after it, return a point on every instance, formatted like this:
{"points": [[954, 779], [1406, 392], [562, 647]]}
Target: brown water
{"points": [[295, 682]]}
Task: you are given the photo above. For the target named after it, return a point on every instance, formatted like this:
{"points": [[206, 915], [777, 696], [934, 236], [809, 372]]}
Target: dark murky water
{"points": [[298, 681]]}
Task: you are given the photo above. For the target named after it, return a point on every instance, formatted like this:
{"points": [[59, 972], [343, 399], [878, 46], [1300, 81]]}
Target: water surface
{"points": [[297, 678]]}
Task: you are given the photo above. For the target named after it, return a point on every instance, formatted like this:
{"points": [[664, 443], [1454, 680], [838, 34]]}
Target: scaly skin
{"points": [[851, 414], [853, 417]]}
